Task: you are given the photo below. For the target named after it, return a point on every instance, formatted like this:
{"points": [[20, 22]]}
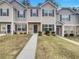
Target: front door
{"points": [[59, 30], [35, 28], [8, 28]]}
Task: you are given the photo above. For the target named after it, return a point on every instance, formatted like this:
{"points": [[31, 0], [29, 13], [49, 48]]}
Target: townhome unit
{"points": [[16, 17]]}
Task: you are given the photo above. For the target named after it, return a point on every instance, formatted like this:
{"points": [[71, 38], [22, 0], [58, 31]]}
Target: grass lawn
{"points": [[50, 47], [75, 38], [10, 46]]}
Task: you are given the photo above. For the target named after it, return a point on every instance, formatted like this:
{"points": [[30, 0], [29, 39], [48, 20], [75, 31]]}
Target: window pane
{"points": [[19, 27], [4, 12], [65, 17], [21, 13], [45, 12], [24, 27]]}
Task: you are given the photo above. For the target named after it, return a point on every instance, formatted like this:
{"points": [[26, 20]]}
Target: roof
{"points": [[66, 9], [18, 3], [49, 3], [1, 2], [30, 7]]}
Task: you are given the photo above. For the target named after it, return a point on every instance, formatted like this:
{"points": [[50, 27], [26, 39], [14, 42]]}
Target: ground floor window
{"points": [[3, 28], [69, 29], [20, 27], [48, 27]]}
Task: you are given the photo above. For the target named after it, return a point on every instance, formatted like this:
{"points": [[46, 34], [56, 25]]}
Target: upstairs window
{"points": [[21, 13], [34, 12], [4, 12], [47, 12], [65, 17]]}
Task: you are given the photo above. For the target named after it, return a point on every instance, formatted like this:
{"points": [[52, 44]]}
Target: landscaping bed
{"points": [[10, 46], [52, 47]]}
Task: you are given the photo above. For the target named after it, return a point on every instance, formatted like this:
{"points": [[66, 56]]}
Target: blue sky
{"points": [[61, 3]]}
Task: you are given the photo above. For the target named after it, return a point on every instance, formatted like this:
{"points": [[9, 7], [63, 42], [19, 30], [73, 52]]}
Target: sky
{"points": [[61, 3]]}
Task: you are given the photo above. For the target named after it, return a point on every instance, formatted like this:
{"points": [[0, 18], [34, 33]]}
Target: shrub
{"points": [[53, 33], [65, 35], [71, 35], [21, 33], [47, 33], [25, 33], [15, 33], [40, 33], [78, 35]]}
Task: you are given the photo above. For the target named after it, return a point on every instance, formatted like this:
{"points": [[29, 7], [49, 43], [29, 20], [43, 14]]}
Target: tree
{"points": [[26, 2]]}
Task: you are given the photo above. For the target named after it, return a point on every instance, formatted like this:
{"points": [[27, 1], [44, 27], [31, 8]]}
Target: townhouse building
{"points": [[16, 17]]}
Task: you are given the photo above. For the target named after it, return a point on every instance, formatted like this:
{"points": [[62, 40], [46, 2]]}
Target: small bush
{"points": [[47, 33], [25, 33], [15, 33], [21, 33], [77, 35], [40, 33], [53, 33], [65, 35], [71, 35]]}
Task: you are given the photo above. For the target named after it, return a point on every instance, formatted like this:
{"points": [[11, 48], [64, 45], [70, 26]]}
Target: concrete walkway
{"points": [[71, 41], [30, 49], [2, 34]]}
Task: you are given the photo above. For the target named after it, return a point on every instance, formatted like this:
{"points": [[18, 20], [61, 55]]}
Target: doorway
{"points": [[8, 28], [35, 28], [59, 30]]}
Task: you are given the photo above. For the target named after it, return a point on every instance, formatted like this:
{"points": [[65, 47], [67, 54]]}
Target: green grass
{"points": [[10, 46], [50, 47], [75, 38]]}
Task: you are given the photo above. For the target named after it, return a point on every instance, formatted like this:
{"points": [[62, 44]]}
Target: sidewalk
{"points": [[30, 49], [2, 34], [71, 41]]}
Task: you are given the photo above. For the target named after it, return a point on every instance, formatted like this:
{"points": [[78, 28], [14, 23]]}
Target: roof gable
{"points": [[17, 3], [2, 2], [52, 4], [67, 9]]}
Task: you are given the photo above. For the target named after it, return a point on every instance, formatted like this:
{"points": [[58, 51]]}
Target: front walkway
{"points": [[2, 34], [30, 49], [71, 41]]}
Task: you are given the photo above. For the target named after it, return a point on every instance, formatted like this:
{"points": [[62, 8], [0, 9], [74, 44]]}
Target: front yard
{"points": [[10, 46], [50, 47]]}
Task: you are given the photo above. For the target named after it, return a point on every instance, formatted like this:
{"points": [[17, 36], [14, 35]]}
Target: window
{"points": [[34, 12], [21, 13], [51, 12], [48, 27], [47, 12], [4, 12], [23, 27], [20, 27], [65, 17]]}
